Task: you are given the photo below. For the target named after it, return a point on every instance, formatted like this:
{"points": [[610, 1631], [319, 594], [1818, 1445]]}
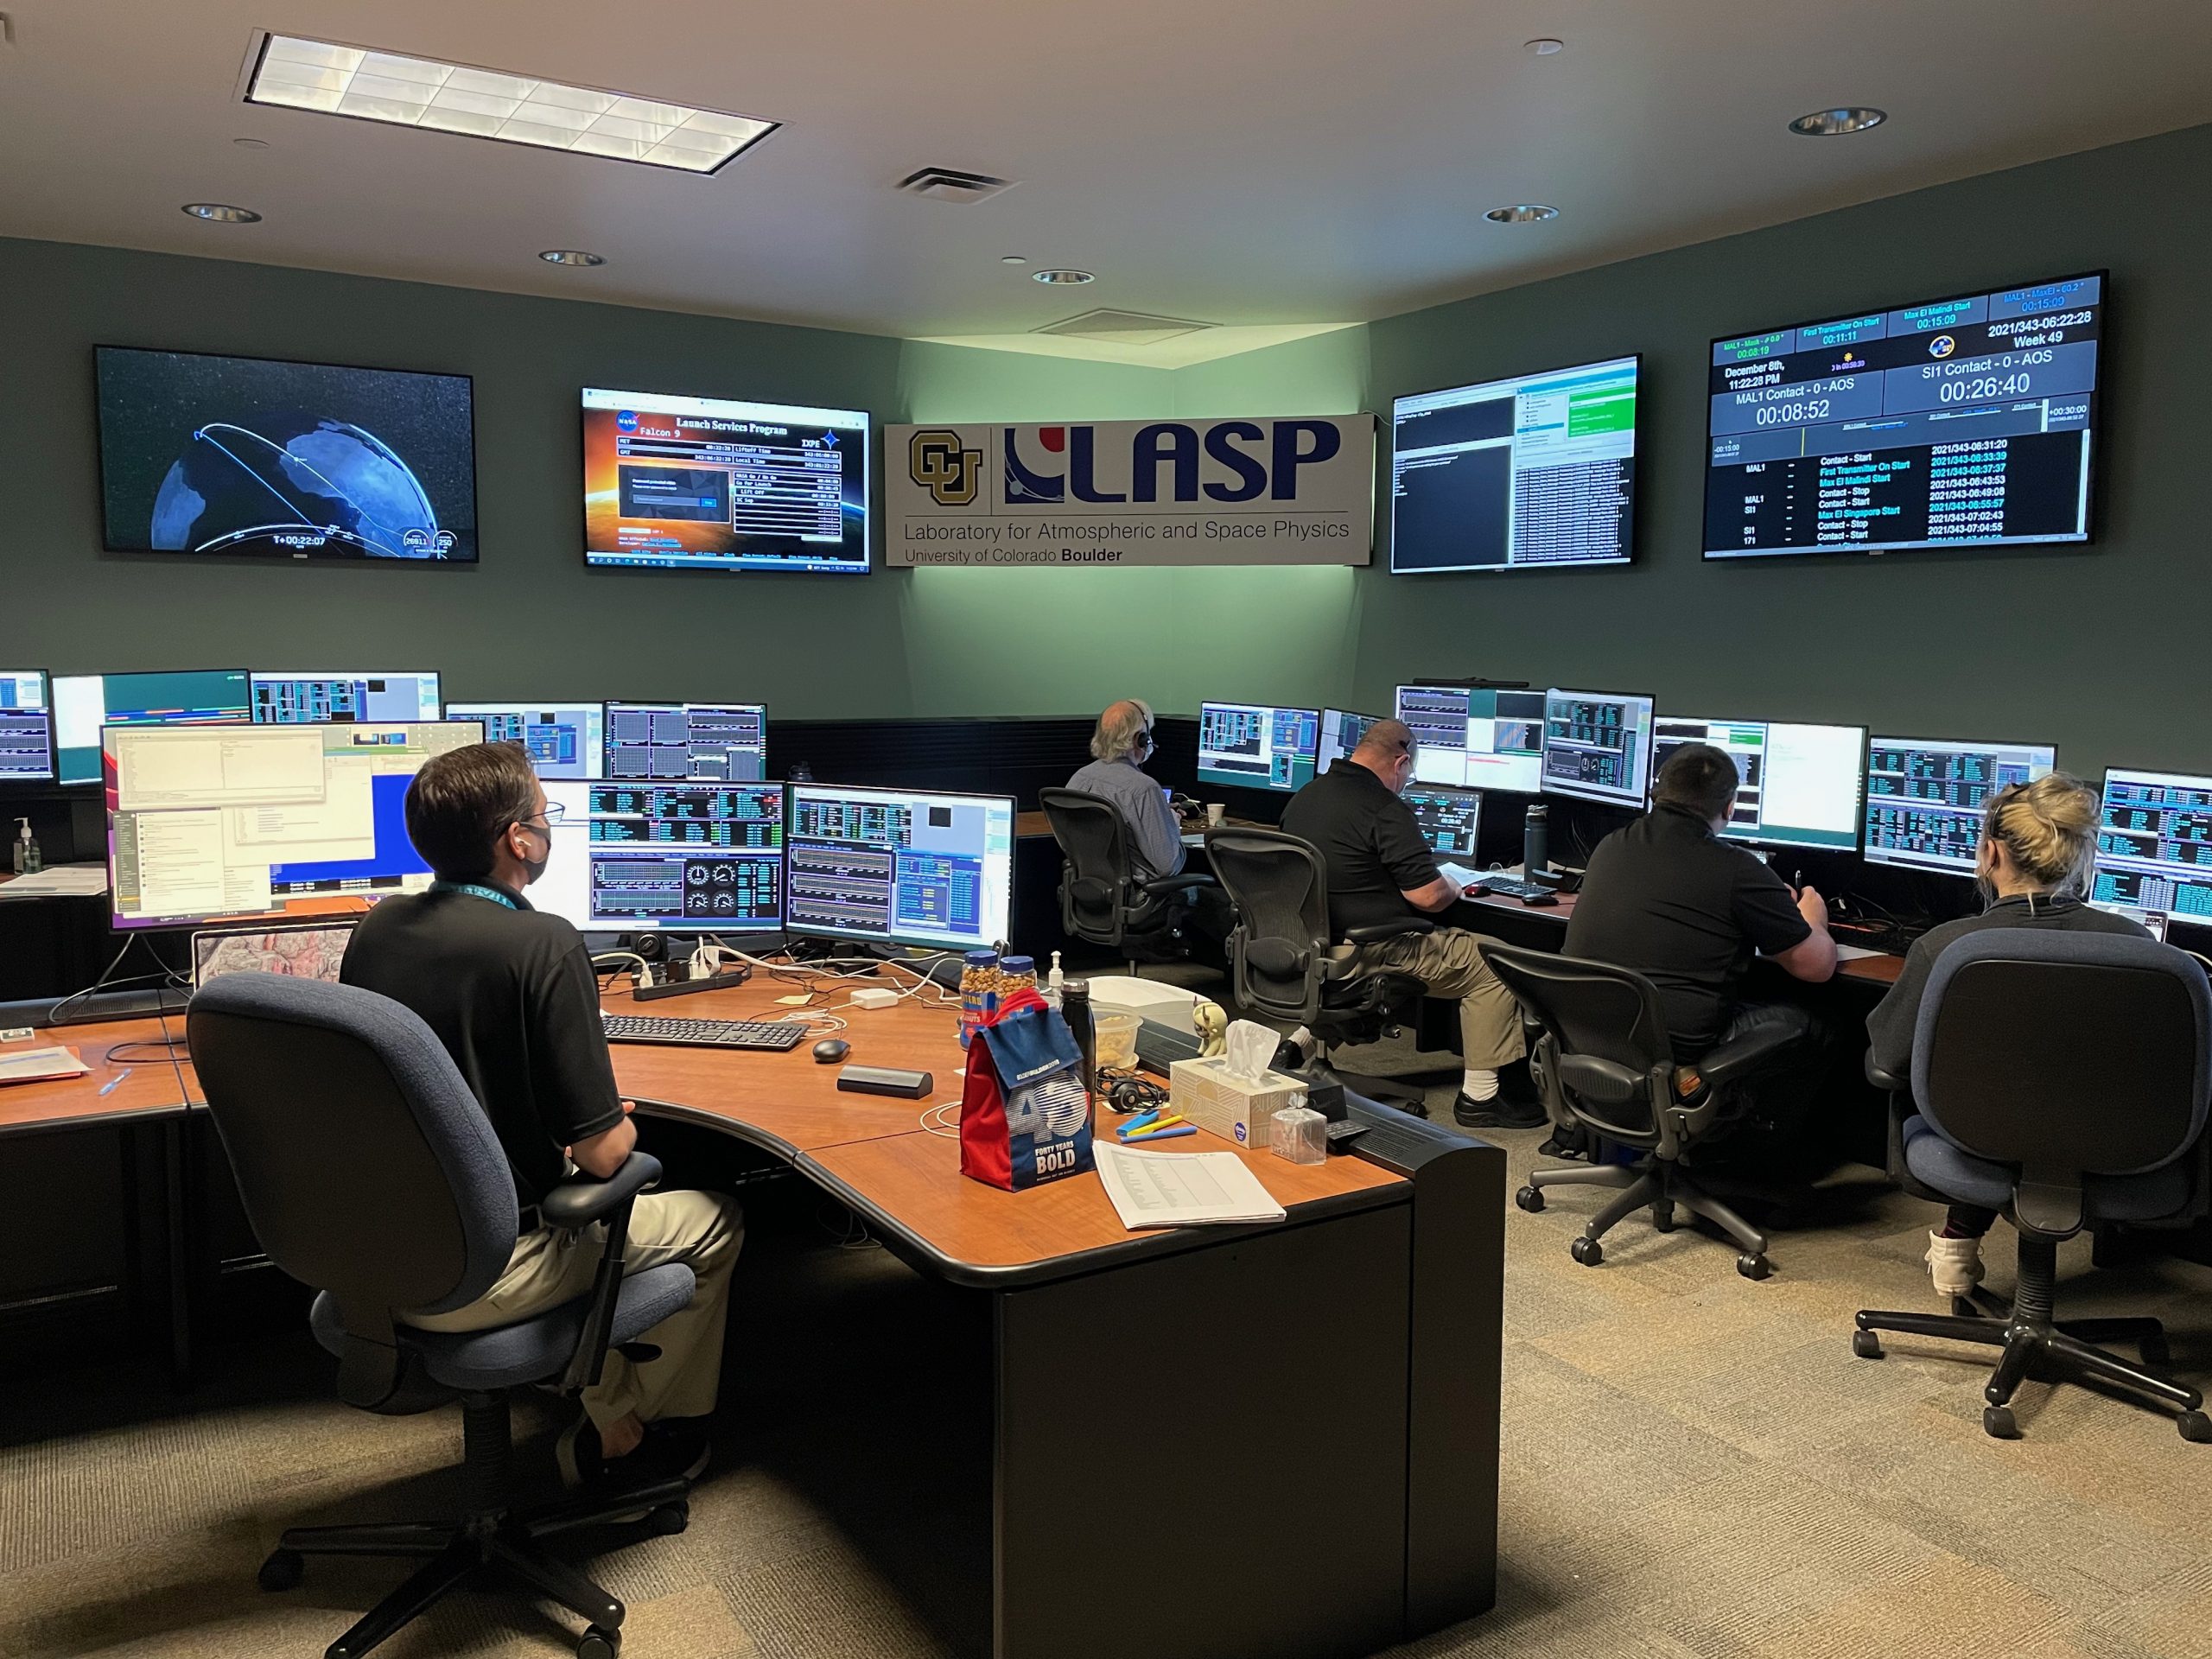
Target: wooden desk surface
{"points": [[155, 1085], [789, 1103]]}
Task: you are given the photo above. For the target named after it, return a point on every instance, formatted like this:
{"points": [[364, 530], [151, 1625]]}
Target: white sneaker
{"points": [[1955, 1264]]}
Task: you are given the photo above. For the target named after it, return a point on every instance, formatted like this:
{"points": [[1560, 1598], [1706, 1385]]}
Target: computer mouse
{"points": [[1539, 901], [830, 1050]]}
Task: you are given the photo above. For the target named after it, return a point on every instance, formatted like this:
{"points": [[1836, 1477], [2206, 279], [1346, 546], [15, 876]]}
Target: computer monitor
{"points": [[2154, 849], [316, 695], [1449, 818], [248, 822], [720, 742], [902, 867], [84, 702], [564, 739], [655, 857], [1250, 746], [1598, 747], [1800, 785], [1476, 739], [1341, 730], [1925, 796], [26, 726]]}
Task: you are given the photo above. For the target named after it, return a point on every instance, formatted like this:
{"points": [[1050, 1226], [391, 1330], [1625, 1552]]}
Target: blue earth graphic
{"points": [[330, 483]]}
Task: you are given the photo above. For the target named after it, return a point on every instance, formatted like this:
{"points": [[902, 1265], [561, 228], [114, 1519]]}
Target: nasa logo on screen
{"points": [[627, 420], [1941, 346]]}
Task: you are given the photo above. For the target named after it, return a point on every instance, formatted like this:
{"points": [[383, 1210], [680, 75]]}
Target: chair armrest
{"points": [[1746, 1056], [1171, 883], [579, 1203], [1375, 933], [1883, 1080]]}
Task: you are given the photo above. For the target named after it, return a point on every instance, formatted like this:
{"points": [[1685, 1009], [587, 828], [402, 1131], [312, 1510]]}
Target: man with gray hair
{"points": [[1118, 748]]}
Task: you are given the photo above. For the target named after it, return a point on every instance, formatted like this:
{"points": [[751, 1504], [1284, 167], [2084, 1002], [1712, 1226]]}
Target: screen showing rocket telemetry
{"points": [[1958, 422]]}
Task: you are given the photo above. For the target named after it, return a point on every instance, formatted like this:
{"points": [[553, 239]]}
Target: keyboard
{"points": [[774, 1035], [1510, 886]]}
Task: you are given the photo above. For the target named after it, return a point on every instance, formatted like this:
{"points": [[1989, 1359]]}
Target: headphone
{"points": [[1143, 739]]}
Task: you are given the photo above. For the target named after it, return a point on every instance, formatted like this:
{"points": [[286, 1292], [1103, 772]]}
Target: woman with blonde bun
{"points": [[2037, 858]]}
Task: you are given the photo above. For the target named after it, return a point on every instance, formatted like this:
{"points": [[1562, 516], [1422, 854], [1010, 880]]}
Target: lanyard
{"points": [[476, 888]]}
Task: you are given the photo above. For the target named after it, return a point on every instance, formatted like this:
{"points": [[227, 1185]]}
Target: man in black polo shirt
{"points": [[510, 993], [1668, 899], [1380, 868]]}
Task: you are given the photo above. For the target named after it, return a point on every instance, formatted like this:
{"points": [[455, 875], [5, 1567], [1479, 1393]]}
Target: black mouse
{"points": [[1534, 901], [830, 1050]]}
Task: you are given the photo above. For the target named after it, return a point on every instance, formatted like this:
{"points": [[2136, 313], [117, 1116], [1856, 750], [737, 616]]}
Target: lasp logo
{"points": [[936, 460], [1083, 473]]}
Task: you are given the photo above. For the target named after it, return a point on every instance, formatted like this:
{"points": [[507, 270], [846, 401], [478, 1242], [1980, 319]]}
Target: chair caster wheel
{"points": [[283, 1570], [1662, 1217], [1753, 1267], [1530, 1199], [1996, 1423], [599, 1642], [669, 1520], [2156, 1352], [2195, 1426], [1587, 1251], [1866, 1345]]}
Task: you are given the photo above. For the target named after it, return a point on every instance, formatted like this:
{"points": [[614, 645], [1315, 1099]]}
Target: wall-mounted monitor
{"points": [[1925, 796], [1798, 785], [2154, 849], [83, 703], [1476, 738], [1533, 472], [1252, 746], [303, 460], [643, 858], [26, 726], [717, 484], [1966, 422], [904, 866], [563, 739], [1598, 747], [319, 696]]}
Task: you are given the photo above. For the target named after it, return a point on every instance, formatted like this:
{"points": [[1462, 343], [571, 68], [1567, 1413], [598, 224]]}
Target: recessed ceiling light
{"points": [[1056, 277], [1834, 124], [1543, 48], [1521, 213], [570, 256], [487, 103], [221, 213], [1013, 260]]}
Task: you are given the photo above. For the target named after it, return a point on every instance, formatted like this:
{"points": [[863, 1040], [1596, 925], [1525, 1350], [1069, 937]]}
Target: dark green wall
{"points": [[2100, 649]]}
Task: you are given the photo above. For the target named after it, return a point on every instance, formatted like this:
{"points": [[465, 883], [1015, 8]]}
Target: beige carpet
{"points": [[1693, 1464]]}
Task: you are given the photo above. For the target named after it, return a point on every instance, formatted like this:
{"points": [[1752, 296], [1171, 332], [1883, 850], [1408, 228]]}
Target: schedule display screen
{"points": [[1958, 422]]}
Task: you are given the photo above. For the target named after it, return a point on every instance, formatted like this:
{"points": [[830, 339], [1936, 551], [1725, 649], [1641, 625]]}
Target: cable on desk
{"points": [[934, 1121]]}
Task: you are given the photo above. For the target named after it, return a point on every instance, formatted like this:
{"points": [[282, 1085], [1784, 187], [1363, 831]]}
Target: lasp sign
{"points": [[1289, 491]]}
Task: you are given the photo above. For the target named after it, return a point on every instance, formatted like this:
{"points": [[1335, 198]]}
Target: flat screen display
{"points": [[84, 702], [563, 739], [1475, 738], [1966, 422], [1598, 747], [901, 865], [1251, 745], [1450, 819], [1797, 786], [1529, 473], [704, 742], [717, 484], [313, 696], [1341, 732], [26, 726], [644, 858], [2154, 848], [303, 460], [1925, 796]]}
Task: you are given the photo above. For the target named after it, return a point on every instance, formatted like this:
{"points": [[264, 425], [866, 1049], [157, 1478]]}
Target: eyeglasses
{"points": [[552, 815]]}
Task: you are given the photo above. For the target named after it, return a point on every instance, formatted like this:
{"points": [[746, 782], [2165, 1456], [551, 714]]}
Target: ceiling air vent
{"points": [[951, 184], [1122, 327]]}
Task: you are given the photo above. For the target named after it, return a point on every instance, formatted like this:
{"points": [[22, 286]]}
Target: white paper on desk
{"points": [[1852, 952], [59, 881], [1461, 874], [31, 1064], [1167, 1189]]}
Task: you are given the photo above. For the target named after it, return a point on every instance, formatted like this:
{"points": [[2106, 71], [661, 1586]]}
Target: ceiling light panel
{"points": [[407, 91]]}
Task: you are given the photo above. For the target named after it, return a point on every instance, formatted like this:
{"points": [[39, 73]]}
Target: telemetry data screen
{"points": [[1598, 747], [1924, 797], [1251, 745], [1798, 785], [1472, 737], [562, 739], [2154, 851]]}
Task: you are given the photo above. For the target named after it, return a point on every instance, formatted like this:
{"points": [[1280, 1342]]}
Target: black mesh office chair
{"points": [[369, 1171], [2062, 1078], [1287, 965], [1104, 900], [1608, 1063]]}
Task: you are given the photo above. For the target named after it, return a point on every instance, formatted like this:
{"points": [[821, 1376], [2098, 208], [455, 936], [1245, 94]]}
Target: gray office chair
{"points": [[1103, 899], [2063, 1079], [369, 1171]]}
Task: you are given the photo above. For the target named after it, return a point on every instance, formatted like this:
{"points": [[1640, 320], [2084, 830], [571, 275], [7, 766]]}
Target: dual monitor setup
{"points": [[239, 798]]}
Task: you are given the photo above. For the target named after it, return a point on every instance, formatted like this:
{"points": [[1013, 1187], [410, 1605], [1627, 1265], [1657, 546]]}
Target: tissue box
{"points": [[1207, 1093]]}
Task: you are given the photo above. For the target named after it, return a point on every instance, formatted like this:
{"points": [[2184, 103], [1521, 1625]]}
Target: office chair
{"points": [[1102, 900], [1286, 965], [370, 1172], [2063, 1079], [1608, 1063]]}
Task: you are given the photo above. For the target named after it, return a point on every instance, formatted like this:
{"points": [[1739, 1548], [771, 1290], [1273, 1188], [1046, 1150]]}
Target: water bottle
{"points": [[1535, 842], [1075, 1008]]}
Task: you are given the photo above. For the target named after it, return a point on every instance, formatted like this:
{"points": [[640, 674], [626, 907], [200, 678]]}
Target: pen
{"points": [[1165, 1134], [115, 1082]]}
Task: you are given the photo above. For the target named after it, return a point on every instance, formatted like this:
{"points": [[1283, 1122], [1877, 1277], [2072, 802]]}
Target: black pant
{"points": [[1776, 1122]]}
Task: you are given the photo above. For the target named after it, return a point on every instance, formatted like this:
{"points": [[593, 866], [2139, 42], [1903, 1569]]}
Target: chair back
{"points": [[1278, 952], [1611, 1053], [1096, 876], [2065, 1054], [366, 1165]]}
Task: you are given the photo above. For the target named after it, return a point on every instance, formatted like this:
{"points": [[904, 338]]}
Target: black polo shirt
{"points": [[1371, 843], [512, 996], [1670, 900]]}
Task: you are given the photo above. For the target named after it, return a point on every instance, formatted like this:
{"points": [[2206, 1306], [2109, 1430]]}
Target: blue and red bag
{"points": [[1024, 1117]]}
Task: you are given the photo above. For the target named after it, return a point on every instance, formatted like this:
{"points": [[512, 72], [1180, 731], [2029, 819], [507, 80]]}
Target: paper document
{"points": [[60, 882], [1852, 952], [1167, 1189], [1461, 874], [32, 1065]]}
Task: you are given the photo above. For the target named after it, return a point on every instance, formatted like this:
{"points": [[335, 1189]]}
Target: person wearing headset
{"points": [[2034, 861], [1118, 748]]}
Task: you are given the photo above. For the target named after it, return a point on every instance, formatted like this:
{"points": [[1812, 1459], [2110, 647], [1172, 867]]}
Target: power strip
{"points": [[671, 979]]}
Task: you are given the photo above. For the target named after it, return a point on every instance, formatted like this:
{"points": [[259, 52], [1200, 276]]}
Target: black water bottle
{"points": [[1075, 1008], [1535, 842]]}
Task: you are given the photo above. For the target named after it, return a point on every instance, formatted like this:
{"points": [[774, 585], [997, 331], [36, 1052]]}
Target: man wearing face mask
{"points": [[510, 991], [1382, 869]]}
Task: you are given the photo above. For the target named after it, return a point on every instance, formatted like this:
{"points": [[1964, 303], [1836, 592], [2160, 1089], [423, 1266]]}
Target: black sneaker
{"points": [[1499, 1112], [675, 1449]]}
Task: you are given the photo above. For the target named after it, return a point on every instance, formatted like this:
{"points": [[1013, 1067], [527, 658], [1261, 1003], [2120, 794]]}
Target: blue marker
{"points": [[1140, 1121]]}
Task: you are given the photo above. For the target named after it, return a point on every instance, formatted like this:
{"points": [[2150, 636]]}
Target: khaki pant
{"points": [[1448, 963], [702, 1231]]}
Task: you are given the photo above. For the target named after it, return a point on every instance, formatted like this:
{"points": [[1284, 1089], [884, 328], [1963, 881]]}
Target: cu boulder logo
{"points": [[936, 460]]}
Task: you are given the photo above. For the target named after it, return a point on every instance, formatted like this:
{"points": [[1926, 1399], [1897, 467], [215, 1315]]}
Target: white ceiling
{"points": [[1264, 163]]}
